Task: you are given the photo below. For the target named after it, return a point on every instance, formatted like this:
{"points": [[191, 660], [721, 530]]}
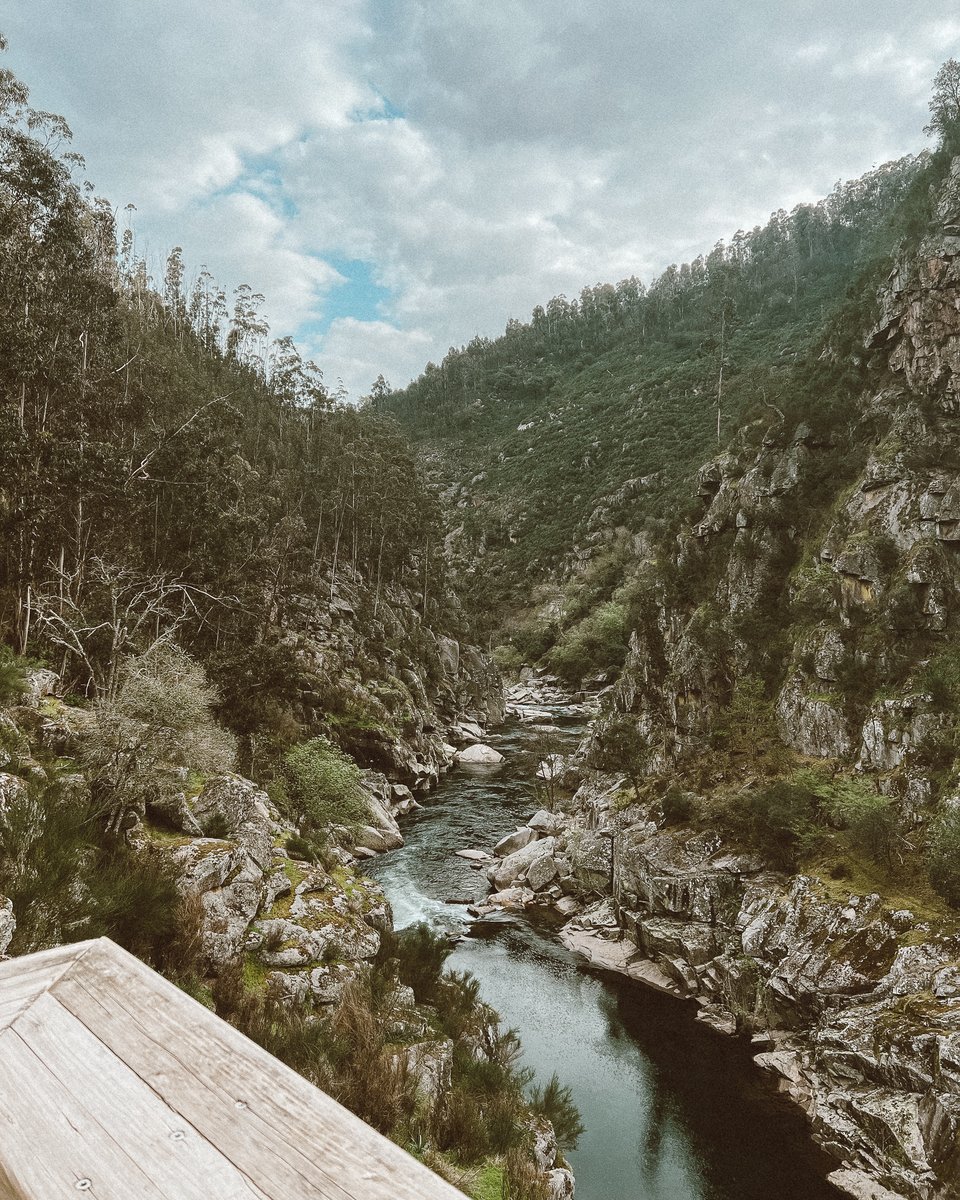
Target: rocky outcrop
{"points": [[383, 683], [854, 1006], [8, 924]]}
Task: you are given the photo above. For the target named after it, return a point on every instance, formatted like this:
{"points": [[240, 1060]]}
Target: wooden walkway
{"points": [[115, 1083]]}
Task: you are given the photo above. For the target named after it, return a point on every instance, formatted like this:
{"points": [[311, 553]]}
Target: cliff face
{"points": [[382, 682], [825, 565]]}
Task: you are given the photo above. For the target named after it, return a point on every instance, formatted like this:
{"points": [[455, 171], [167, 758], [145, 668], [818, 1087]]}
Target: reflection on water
{"points": [[673, 1111]]}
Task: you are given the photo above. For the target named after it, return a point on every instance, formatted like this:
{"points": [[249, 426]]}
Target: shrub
{"points": [[420, 955], [597, 643], [782, 821], [323, 786], [678, 805], [13, 682], [68, 881], [159, 717], [943, 856], [555, 1102]]}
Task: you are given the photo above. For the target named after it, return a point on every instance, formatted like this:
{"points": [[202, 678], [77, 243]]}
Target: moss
{"points": [[194, 784], [255, 975], [489, 1184]]}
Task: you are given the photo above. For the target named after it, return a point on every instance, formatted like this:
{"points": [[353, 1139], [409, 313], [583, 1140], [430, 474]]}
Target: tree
{"points": [[159, 719], [945, 104]]}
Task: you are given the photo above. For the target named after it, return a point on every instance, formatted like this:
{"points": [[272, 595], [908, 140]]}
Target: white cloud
{"points": [[538, 148]]}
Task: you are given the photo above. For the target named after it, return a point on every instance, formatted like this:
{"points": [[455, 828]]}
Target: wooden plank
{"points": [[49, 1143], [286, 1135], [43, 962], [182, 1164], [34, 974]]}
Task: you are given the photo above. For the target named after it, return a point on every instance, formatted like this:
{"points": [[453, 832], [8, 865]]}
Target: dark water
{"points": [[673, 1110]]}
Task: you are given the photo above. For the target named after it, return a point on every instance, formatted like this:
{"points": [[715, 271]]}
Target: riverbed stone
{"points": [[515, 841], [512, 897], [479, 755], [541, 872], [544, 822], [503, 874]]}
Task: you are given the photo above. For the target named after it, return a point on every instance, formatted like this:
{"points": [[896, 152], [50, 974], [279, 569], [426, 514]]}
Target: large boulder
{"points": [[237, 809], [515, 841], [479, 754], [231, 887], [541, 872], [503, 874]]}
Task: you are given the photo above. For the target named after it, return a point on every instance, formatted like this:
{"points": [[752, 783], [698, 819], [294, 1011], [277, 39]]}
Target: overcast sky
{"points": [[397, 176]]}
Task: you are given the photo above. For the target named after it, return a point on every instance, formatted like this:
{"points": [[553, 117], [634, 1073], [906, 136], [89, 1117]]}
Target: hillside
{"points": [[764, 817], [573, 435]]}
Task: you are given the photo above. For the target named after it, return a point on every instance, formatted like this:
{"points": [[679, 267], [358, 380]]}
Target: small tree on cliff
{"points": [[159, 719], [945, 105], [621, 747]]}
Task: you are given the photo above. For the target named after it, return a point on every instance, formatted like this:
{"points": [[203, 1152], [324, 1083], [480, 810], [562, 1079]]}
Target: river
{"points": [[672, 1109]]}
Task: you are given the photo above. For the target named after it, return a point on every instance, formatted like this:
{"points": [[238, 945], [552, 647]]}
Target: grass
{"points": [[489, 1184]]}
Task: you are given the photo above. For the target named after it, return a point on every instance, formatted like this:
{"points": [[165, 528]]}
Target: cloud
{"points": [[473, 159]]}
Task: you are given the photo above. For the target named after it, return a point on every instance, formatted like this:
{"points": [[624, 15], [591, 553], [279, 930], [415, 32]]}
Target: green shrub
{"points": [[678, 805], [597, 643], [941, 680], [943, 856], [783, 821], [323, 786], [555, 1102], [13, 681], [868, 817], [420, 955], [69, 881]]}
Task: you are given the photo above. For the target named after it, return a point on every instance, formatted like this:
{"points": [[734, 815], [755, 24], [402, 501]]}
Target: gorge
{"points": [[246, 630]]}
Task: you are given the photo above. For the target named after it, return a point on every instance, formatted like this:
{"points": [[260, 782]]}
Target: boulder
{"points": [[479, 754], [541, 872], [231, 887], [544, 822], [475, 856], [513, 897], [515, 841], [505, 873], [242, 811]]}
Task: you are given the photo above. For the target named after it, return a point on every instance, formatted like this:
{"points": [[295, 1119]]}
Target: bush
{"points": [[323, 786], [555, 1102], [159, 717], [678, 806], [420, 955], [943, 856], [68, 881], [13, 682], [597, 643], [782, 820]]}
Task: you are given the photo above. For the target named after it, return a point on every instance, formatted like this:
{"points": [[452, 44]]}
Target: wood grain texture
{"points": [[132, 1080]]}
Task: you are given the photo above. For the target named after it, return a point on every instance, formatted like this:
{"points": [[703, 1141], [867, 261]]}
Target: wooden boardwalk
{"points": [[115, 1083]]}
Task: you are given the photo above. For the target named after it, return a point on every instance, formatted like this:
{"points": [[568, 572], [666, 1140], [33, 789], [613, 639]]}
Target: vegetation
{"points": [[590, 420], [156, 718], [484, 1120], [321, 787], [169, 473]]}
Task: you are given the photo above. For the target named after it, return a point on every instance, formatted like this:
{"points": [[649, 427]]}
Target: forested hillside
{"points": [[207, 564], [167, 469], [575, 434]]}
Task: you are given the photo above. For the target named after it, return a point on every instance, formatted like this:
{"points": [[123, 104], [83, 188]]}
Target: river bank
{"points": [[673, 1111], [847, 1002]]}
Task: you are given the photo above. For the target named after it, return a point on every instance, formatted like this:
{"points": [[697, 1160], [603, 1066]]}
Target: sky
{"points": [[399, 176]]}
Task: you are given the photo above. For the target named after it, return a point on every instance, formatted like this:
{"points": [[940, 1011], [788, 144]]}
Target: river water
{"points": [[673, 1110]]}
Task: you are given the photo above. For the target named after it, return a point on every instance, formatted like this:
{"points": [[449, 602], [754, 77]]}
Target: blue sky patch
{"points": [[360, 296]]}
